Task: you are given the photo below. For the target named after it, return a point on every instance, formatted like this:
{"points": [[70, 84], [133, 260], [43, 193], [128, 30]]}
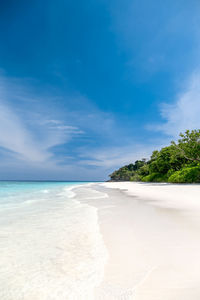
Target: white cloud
{"points": [[54, 122], [67, 128], [15, 137], [184, 113], [30, 143], [25, 133], [114, 157], [30, 129]]}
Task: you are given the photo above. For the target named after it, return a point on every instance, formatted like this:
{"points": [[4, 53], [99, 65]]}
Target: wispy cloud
{"points": [[25, 133], [38, 142], [31, 133], [184, 112], [113, 157], [60, 125]]}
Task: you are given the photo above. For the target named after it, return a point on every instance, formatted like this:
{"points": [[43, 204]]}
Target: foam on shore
{"points": [[50, 247]]}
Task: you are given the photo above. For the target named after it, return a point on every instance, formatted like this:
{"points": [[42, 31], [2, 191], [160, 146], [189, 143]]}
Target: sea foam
{"points": [[50, 247]]}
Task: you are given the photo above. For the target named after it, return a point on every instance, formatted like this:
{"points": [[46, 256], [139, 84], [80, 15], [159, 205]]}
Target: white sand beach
{"points": [[152, 235], [100, 241]]}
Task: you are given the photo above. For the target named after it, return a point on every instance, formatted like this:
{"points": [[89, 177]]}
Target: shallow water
{"points": [[50, 244]]}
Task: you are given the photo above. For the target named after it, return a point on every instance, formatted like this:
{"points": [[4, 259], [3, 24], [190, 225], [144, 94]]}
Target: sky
{"points": [[88, 86]]}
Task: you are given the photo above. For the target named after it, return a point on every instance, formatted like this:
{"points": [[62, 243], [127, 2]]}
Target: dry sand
{"points": [[152, 233]]}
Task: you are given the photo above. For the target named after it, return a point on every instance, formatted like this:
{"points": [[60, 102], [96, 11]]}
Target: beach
{"points": [[151, 233], [99, 241]]}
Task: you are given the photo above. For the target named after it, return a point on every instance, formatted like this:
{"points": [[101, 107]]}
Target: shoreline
{"points": [[50, 244], [151, 232], [101, 241]]}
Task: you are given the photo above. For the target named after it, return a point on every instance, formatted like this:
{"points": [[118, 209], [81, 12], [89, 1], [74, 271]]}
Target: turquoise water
{"points": [[10, 191], [50, 244]]}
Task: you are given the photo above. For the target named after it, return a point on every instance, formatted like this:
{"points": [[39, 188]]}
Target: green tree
{"points": [[188, 145], [179, 162]]}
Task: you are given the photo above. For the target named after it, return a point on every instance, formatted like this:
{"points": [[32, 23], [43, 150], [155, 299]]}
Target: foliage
{"points": [[155, 177], [144, 170], [179, 162], [135, 177], [189, 145], [127, 172], [186, 175], [165, 159]]}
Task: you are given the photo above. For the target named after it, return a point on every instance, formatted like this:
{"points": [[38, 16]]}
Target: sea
{"points": [[50, 242]]}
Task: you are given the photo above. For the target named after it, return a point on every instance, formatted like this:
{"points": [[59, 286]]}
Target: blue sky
{"points": [[87, 86]]}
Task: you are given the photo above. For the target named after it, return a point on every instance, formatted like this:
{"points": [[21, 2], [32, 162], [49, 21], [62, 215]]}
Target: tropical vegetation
{"points": [[179, 163]]}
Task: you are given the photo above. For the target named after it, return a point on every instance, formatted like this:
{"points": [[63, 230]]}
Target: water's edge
{"points": [[50, 244]]}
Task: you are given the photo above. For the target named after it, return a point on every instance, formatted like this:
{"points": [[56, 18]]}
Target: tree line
{"points": [[179, 163]]}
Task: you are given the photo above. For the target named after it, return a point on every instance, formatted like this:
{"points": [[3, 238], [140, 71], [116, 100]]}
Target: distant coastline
{"points": [[176, 163]]}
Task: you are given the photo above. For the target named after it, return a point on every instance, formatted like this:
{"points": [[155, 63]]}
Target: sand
{"points": [[152, 235]]}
